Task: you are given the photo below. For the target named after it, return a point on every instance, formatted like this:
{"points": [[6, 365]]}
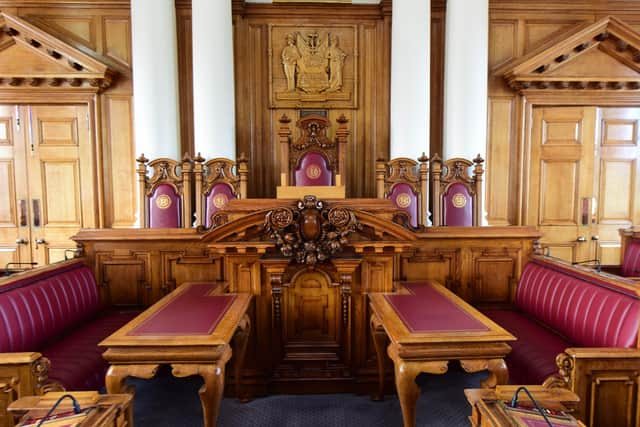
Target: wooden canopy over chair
{"points": [[312, 160], [404, 181], [165, 197], [457, 192], [216, 182]]}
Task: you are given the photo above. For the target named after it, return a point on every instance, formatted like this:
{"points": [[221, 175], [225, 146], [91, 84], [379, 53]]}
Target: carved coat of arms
{"points": [[312, 232], [313, 62]]}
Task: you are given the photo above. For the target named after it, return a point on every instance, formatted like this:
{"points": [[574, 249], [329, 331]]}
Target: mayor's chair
{"points": [[404, 181], [313, 159], [457, 191], [216, 182], [165, 192]]}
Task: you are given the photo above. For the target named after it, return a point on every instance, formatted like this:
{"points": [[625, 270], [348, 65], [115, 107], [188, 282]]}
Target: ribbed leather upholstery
{"points": [[631, 261], [584, 311], [58, 313], [559, 308], [40, 309], [76, 360], [533, 355]]}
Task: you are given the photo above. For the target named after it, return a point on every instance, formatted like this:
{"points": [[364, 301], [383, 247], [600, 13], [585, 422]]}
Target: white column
{"points": [[465, 78], [410, 77], [156, 119], [214, 115]]}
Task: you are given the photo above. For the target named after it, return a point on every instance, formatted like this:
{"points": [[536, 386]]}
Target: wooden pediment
{"points": [[604, 55], [31, 57], [251, 228]]}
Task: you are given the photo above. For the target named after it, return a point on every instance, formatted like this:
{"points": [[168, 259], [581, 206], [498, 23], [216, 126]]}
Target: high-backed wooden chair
{"points": [[165, 196], [313, 159], [457, 192], [216, 182], [405, 182]]}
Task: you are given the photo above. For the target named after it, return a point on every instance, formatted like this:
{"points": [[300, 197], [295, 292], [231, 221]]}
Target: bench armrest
{"points": [[21, 374], [18, 358], [602, 352], [600, 377]]}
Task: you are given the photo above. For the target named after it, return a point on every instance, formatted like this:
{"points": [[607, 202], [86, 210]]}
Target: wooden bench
{"points": [[51, 321], [578, 329]]}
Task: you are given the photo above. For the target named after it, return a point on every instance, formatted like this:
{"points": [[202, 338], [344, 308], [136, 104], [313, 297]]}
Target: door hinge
{"points": [[18, 124]]}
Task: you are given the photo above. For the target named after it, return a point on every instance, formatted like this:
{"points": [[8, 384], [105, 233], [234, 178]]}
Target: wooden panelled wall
{"points": [[257, 120], [517, 27], [102, 28]]}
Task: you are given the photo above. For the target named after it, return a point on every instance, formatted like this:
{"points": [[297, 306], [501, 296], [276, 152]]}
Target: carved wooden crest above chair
{"points": [[31, 57], [604, 55], [311, 65], [312, 232]]}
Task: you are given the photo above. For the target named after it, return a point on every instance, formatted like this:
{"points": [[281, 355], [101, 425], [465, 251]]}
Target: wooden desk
{"points": [[428, 326], [189, 329], [485, 411], [113, 410]]}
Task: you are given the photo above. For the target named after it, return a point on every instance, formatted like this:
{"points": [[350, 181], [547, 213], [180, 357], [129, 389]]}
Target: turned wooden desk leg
{"points": [[213, 387], [240, 342], [406, 373], [379, 343], [117, 374], [498, 373], [408, 391]]}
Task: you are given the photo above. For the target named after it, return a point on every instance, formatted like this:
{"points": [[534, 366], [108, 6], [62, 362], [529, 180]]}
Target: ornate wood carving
{"points": [[408, 171], [456, 170], [60, 64], [312, 232], [311, 65]]}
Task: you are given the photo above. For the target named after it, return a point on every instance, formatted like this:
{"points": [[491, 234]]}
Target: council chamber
{"points": [[347, 212]]}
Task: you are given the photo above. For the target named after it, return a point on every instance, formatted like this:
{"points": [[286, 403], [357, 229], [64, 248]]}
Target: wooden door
{"points": [[61, 179], [560, 198], [617, 169], [15, 233]]}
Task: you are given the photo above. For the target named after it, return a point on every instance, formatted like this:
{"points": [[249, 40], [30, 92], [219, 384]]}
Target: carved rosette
{"points": [[312, 232]]}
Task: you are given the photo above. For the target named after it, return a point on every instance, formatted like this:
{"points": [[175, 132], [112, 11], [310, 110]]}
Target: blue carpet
{"points": [[173, 402]]}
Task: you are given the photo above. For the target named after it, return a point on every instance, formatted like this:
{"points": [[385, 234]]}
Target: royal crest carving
{"points": [[312, 232], [313, 62], [311, 65]]}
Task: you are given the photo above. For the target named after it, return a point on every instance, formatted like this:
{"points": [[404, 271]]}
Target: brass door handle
{"points": [[21, 241], [595, 237], [40, 241], [581, 239]]}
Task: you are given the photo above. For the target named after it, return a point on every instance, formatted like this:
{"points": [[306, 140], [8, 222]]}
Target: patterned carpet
{"points": [[171, 402]]}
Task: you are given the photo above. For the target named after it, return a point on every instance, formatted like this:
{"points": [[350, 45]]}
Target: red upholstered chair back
{"points": [[164, 207], [313, 169], [44, 304], [631, 260], [217, 199], [404, 182], [166, 194], [218, 181], [314, 158], [589, 312], [457, 206], [457, 191]]}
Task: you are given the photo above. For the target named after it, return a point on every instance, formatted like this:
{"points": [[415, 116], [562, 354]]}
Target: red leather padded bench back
{"points": [[35, 309], [631, 261], [586, 312]]}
